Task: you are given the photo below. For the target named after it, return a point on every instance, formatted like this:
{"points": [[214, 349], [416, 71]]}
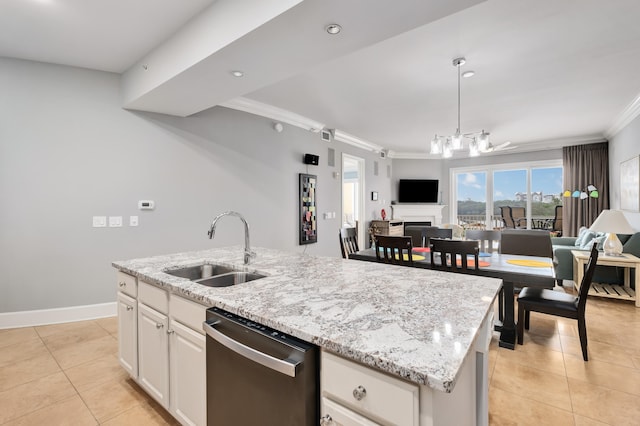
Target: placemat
{"points": [[472, 263], [527, 262], [421, 249], [483, 254], [413, 256]]}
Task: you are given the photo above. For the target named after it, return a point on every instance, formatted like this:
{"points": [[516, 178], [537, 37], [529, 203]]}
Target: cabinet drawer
{"points": [[127, 284], [189, 313], [333, 414], [383, 398], [153, 296]]}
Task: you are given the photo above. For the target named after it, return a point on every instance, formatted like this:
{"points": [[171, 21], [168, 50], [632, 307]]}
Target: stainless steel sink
{"points": [[213, 275], [229, 279], [198, 272]]}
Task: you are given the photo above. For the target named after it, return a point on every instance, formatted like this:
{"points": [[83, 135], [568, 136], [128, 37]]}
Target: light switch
{"points": [[115, 221], [133, 220], [99, 221]]}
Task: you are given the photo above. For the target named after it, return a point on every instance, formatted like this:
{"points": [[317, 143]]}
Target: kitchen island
{"points": [[420, 326]]}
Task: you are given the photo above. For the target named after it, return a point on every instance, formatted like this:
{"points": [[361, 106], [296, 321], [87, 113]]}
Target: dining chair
{"points": [[416, 233], [435, 232], [488, 241], [348, 241], [452, 251], [525, 242], [560, 304], [396, 250]]}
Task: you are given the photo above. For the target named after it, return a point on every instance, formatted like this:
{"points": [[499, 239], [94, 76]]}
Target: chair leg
{"points": [[520, 323], [501, 305], [527, 314], [582, 332]]}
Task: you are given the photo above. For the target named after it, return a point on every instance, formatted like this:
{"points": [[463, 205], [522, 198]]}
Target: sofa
{"points": [[563, 259]]}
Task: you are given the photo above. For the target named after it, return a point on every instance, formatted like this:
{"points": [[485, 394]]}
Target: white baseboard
{"points": [[57, 315]]}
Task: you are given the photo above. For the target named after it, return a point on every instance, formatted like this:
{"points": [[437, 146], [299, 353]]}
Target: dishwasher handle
{"points": [[284, 366]]}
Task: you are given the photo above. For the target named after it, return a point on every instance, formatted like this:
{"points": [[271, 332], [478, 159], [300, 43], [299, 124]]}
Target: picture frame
{"points": [[374, 195], [630, 184], [308, 225]]}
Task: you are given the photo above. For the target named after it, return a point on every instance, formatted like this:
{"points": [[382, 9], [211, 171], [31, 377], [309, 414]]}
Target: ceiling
{"points": [[548, 73]]}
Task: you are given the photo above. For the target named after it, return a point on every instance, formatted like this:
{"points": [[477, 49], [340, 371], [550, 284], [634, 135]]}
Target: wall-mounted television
{"points": [[418, 191]]}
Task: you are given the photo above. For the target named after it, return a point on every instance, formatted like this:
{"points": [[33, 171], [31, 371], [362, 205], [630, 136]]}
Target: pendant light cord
{"points": [[458, 66]]}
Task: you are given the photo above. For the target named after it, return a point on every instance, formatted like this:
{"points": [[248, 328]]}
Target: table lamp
{"points": [[612, 222]]}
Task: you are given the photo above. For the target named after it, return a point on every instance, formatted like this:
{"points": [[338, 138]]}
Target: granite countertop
{"points": [[414, 323]]}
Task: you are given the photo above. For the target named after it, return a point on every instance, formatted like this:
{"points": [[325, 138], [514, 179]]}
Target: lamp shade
{"points": [[612, 221]]}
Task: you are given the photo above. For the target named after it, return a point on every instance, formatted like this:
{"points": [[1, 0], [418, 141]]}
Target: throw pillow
{"points": [[581, 234], [589, 238]]}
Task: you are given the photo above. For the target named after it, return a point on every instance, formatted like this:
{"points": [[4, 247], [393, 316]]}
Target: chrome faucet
{"points": [[248, 254]]}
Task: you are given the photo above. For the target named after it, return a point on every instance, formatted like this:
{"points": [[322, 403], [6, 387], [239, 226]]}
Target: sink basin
{"points": [[198, 272], [229, 279], [213, 275]]}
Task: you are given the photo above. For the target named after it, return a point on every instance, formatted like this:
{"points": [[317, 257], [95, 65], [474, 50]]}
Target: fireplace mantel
{"points": [[418, 213]]}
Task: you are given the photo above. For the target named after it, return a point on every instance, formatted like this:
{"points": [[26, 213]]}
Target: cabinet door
{"points": [[153, 353], [128, 334], [333, 414], [188, 359]]}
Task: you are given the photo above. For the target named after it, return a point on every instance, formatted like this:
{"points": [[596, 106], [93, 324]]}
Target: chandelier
{"points": [[445, 145]]}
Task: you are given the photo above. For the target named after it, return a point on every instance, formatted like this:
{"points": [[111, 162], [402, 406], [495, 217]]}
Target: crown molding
{"points": [[626, 116], [275, 113], [341, 136]]}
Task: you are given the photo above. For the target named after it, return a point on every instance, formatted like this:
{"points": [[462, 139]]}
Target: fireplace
{"points": [[422, 213]]}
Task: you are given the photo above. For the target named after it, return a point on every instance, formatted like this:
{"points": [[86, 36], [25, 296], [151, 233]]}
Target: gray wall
{"points": [[68, 152], [440, 169], [623, 146]]}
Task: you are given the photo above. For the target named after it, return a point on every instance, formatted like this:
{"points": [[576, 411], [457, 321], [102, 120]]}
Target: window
{"points": [[480, 192]]}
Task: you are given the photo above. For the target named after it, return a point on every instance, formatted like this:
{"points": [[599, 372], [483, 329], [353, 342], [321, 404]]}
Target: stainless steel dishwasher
{"points": [[257, 375]]}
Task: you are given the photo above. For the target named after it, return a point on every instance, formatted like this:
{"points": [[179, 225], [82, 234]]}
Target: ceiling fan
{"points": [[502, 147]]}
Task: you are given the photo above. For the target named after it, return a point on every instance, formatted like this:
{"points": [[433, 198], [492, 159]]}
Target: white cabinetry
{"points": [[127, 323], [188, 361], [153, 353], [162, 346], [128, 334], [356, 395]]}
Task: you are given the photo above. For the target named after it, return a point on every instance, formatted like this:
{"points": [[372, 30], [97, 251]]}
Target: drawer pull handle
{"points": [[170, 331], [359, 393], [122, 284], [129, 308], [159, 325], [325, 420]]}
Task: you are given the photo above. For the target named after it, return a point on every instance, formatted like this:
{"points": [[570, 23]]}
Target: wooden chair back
{"points": [[348, 241], [452, 251], [526, 242], [488, 241], [586, 280], [435, 232], [395, 250]]}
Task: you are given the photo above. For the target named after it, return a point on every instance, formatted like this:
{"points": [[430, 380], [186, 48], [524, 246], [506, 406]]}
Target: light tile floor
{"points": [[69, 374]]}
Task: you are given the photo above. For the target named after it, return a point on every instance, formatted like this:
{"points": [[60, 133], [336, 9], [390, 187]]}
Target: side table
{"points": [[626, 261]]}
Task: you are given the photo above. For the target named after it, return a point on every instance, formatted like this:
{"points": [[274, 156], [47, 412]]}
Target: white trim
{"points": [[341, 136], [626, 116], [57, 315], [275, 113]]}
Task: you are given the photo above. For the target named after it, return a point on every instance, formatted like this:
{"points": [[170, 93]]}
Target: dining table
{"points": [[524, 271]]}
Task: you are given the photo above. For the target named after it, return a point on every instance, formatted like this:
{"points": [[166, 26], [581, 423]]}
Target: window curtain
{"points": [[584, 165]]}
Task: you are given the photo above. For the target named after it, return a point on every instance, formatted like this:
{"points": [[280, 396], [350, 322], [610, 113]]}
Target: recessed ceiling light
{"points": [[333, 28], [237, 73], [468, 74]]}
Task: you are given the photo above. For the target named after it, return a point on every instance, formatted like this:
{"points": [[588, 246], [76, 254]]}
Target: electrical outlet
{"points": [[99, 221], [115, 221], [133, 220]]}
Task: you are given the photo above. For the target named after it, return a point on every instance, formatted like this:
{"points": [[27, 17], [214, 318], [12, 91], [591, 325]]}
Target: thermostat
{"points": [[146, 205]]}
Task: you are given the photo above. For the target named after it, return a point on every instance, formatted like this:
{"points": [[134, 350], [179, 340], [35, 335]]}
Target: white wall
{"points": [[68, 151], [623, 146]]}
